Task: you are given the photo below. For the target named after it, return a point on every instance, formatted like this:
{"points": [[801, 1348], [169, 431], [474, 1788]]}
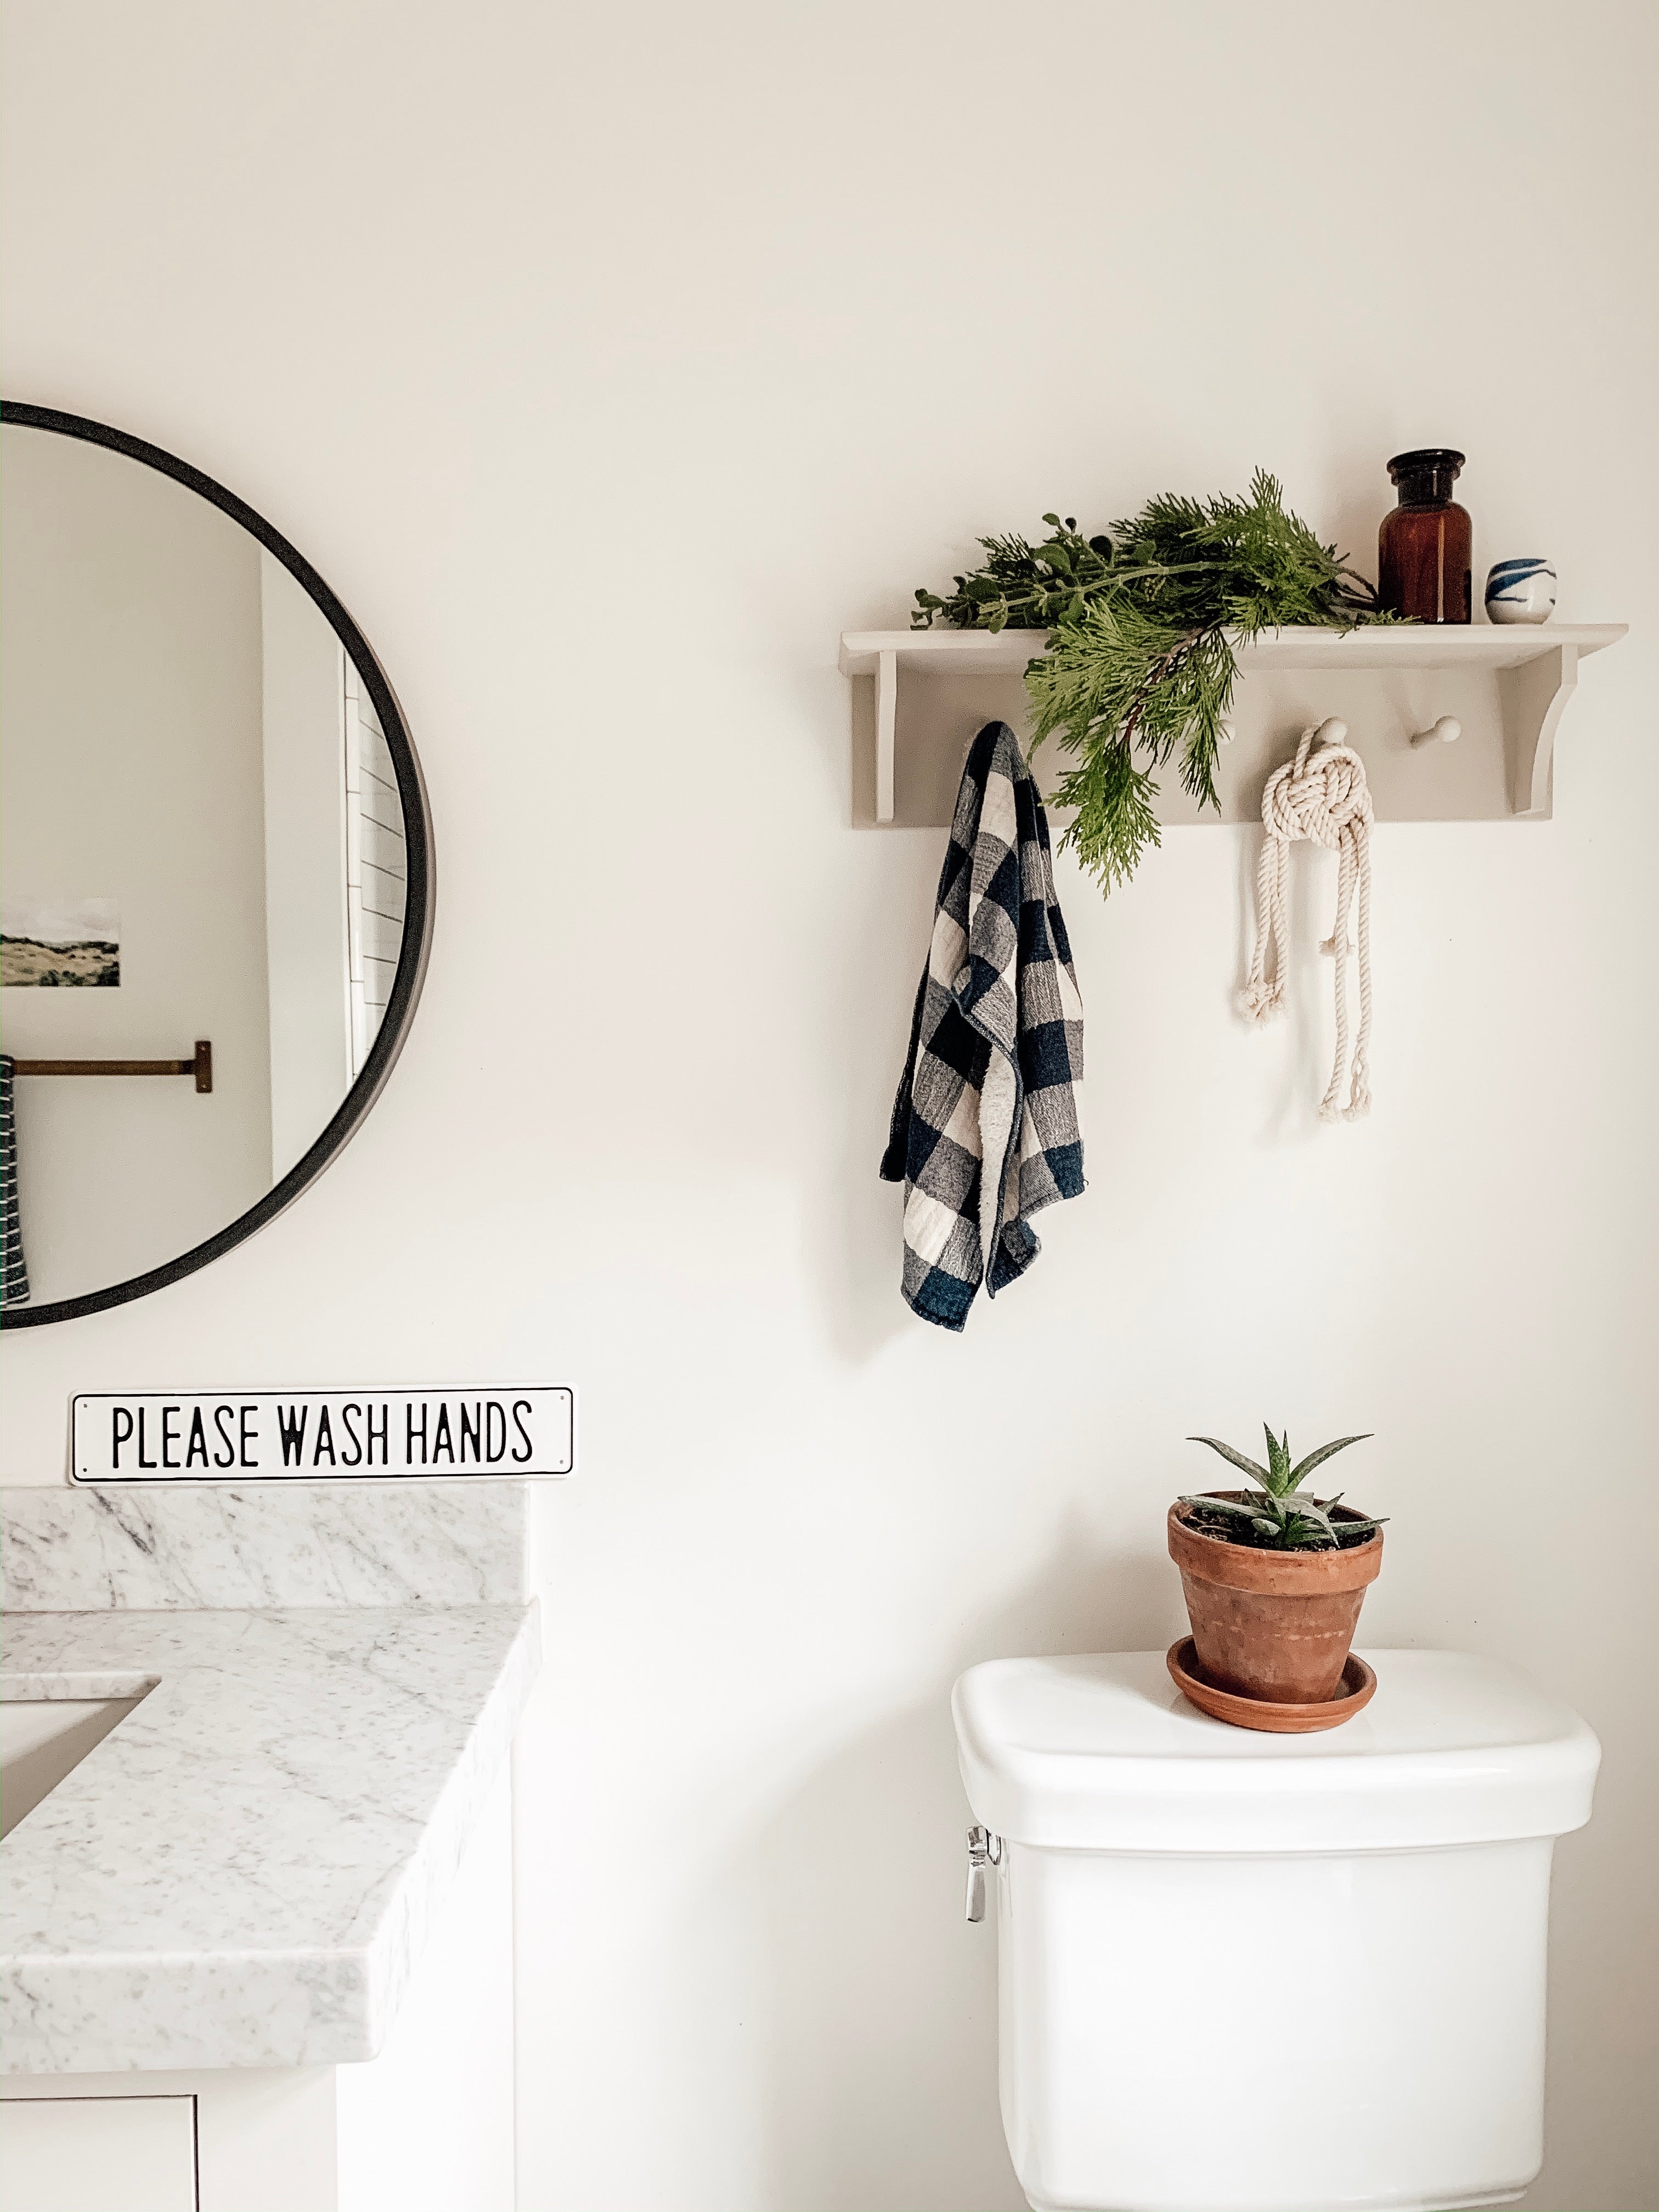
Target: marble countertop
{"points": [[244, 1872]]}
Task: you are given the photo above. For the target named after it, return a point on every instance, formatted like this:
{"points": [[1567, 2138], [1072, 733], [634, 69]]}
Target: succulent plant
{"points": [[1283, 1519]]}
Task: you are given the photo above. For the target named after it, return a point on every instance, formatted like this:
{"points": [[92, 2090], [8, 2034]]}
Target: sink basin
{"points": [[43, 1739]]}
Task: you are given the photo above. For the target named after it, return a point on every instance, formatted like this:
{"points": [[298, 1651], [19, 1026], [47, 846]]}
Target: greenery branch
{"points": [[1139, 661]]}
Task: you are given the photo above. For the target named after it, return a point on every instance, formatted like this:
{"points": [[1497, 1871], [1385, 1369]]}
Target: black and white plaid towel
{"points": [[13, 1274], [988, 1126]]}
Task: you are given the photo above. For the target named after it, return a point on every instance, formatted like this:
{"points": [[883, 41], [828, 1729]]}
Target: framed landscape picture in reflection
{"points": [[57, 943]]}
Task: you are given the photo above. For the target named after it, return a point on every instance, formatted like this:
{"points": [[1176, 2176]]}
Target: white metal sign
{"points": [[321, 1436]]}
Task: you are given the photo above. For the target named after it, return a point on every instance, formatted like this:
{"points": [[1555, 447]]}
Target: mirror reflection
{"points": [[202, 868]]}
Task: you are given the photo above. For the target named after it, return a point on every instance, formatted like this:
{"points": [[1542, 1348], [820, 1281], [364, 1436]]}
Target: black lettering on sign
{"points": [[449, 1433], [228, 1457], [443, 1441]]}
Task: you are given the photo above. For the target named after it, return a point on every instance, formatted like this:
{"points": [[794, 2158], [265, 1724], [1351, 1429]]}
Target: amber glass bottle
{"points": [[1424, 545]]}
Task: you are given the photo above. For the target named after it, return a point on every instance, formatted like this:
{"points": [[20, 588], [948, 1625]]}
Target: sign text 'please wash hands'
{"points": [[321, 1436]]}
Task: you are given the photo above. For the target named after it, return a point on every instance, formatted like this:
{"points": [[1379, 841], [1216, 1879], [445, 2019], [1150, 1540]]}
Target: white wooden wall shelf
{"points": [[924, 693]]}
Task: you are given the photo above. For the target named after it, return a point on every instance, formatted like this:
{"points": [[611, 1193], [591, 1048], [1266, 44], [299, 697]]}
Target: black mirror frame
{"points": [[419, 891]]}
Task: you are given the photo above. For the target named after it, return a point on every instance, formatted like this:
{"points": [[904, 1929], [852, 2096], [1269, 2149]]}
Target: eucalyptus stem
{"points": [[1100, 584]]}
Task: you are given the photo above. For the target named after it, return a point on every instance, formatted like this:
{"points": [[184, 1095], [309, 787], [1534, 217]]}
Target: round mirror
{"points": [[215, 870]]}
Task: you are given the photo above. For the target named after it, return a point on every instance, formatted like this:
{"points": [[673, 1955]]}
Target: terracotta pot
{"points": [[1275, 1625]]}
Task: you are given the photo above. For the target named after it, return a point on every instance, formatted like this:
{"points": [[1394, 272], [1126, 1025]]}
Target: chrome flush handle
{"points": [[983, 1850]]}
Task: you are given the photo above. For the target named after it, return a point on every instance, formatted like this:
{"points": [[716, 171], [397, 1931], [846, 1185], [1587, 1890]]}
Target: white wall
{"points": [[610, 360], [132, 772]]}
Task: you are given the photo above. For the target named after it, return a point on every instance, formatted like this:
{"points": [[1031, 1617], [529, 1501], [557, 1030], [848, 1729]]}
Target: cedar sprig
{"points": [[1141, 653]]}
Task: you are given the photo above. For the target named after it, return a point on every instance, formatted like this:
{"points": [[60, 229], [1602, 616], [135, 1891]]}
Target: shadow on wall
{"points": [[853, 1252], [878, 2002]]}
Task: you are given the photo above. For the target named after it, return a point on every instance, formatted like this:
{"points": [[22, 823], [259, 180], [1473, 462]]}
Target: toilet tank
{"points": [[1244, 1972]]}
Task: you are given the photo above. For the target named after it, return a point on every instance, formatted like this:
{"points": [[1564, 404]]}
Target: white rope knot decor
{"points": [[1322, 796]]}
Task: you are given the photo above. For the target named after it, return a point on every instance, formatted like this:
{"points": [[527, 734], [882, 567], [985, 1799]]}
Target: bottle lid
{"points": [[1424, 458]]}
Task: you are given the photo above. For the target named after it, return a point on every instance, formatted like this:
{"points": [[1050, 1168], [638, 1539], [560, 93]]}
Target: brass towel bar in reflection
{"points": [[200, 1066]]}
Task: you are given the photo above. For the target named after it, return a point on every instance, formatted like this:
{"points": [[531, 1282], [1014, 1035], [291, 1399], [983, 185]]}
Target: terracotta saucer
{"points": [[1359, 1682]]}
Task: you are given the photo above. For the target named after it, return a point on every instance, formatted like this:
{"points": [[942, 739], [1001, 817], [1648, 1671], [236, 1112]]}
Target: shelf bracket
{"points": [[1533, 696], [886, 720]]}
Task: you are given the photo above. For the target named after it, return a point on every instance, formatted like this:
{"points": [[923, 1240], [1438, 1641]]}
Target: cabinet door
{"points": [[98, 2153]]}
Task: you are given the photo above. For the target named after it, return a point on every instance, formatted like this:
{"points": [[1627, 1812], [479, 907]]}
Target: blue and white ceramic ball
{"points": [[1520, 592]]}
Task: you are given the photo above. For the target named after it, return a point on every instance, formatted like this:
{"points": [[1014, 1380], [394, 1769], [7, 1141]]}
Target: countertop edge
{"points": [[365, 1984], [398, 1944]]}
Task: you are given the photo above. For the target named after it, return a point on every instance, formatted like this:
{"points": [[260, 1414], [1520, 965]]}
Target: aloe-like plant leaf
{"points": [[1326, 1451], [1279, 1461], [1246, 1465], [1223, 1505], [1341, 1529], [1318, 1515]]}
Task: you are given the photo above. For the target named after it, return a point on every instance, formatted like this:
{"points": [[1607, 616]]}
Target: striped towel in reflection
{"points": [[14, 1274]]}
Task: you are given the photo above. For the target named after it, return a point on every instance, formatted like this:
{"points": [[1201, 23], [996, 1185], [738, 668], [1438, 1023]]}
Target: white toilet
{"points": [[1243, 1972]]}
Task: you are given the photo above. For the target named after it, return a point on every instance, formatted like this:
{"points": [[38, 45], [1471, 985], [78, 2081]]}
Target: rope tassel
{"points": [[1324, 797]]}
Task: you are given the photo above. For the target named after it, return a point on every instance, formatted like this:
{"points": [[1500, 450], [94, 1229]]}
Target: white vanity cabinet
{"points": [[425, 2127], [256, 1941], [69, 2153]]}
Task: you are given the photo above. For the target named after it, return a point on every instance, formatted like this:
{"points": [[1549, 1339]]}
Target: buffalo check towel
{"points": [[988, 1126]]}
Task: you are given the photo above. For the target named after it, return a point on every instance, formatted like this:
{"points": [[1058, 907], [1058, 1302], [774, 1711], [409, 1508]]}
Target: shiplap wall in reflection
{"points": [[303, 688], [375, 869]]}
